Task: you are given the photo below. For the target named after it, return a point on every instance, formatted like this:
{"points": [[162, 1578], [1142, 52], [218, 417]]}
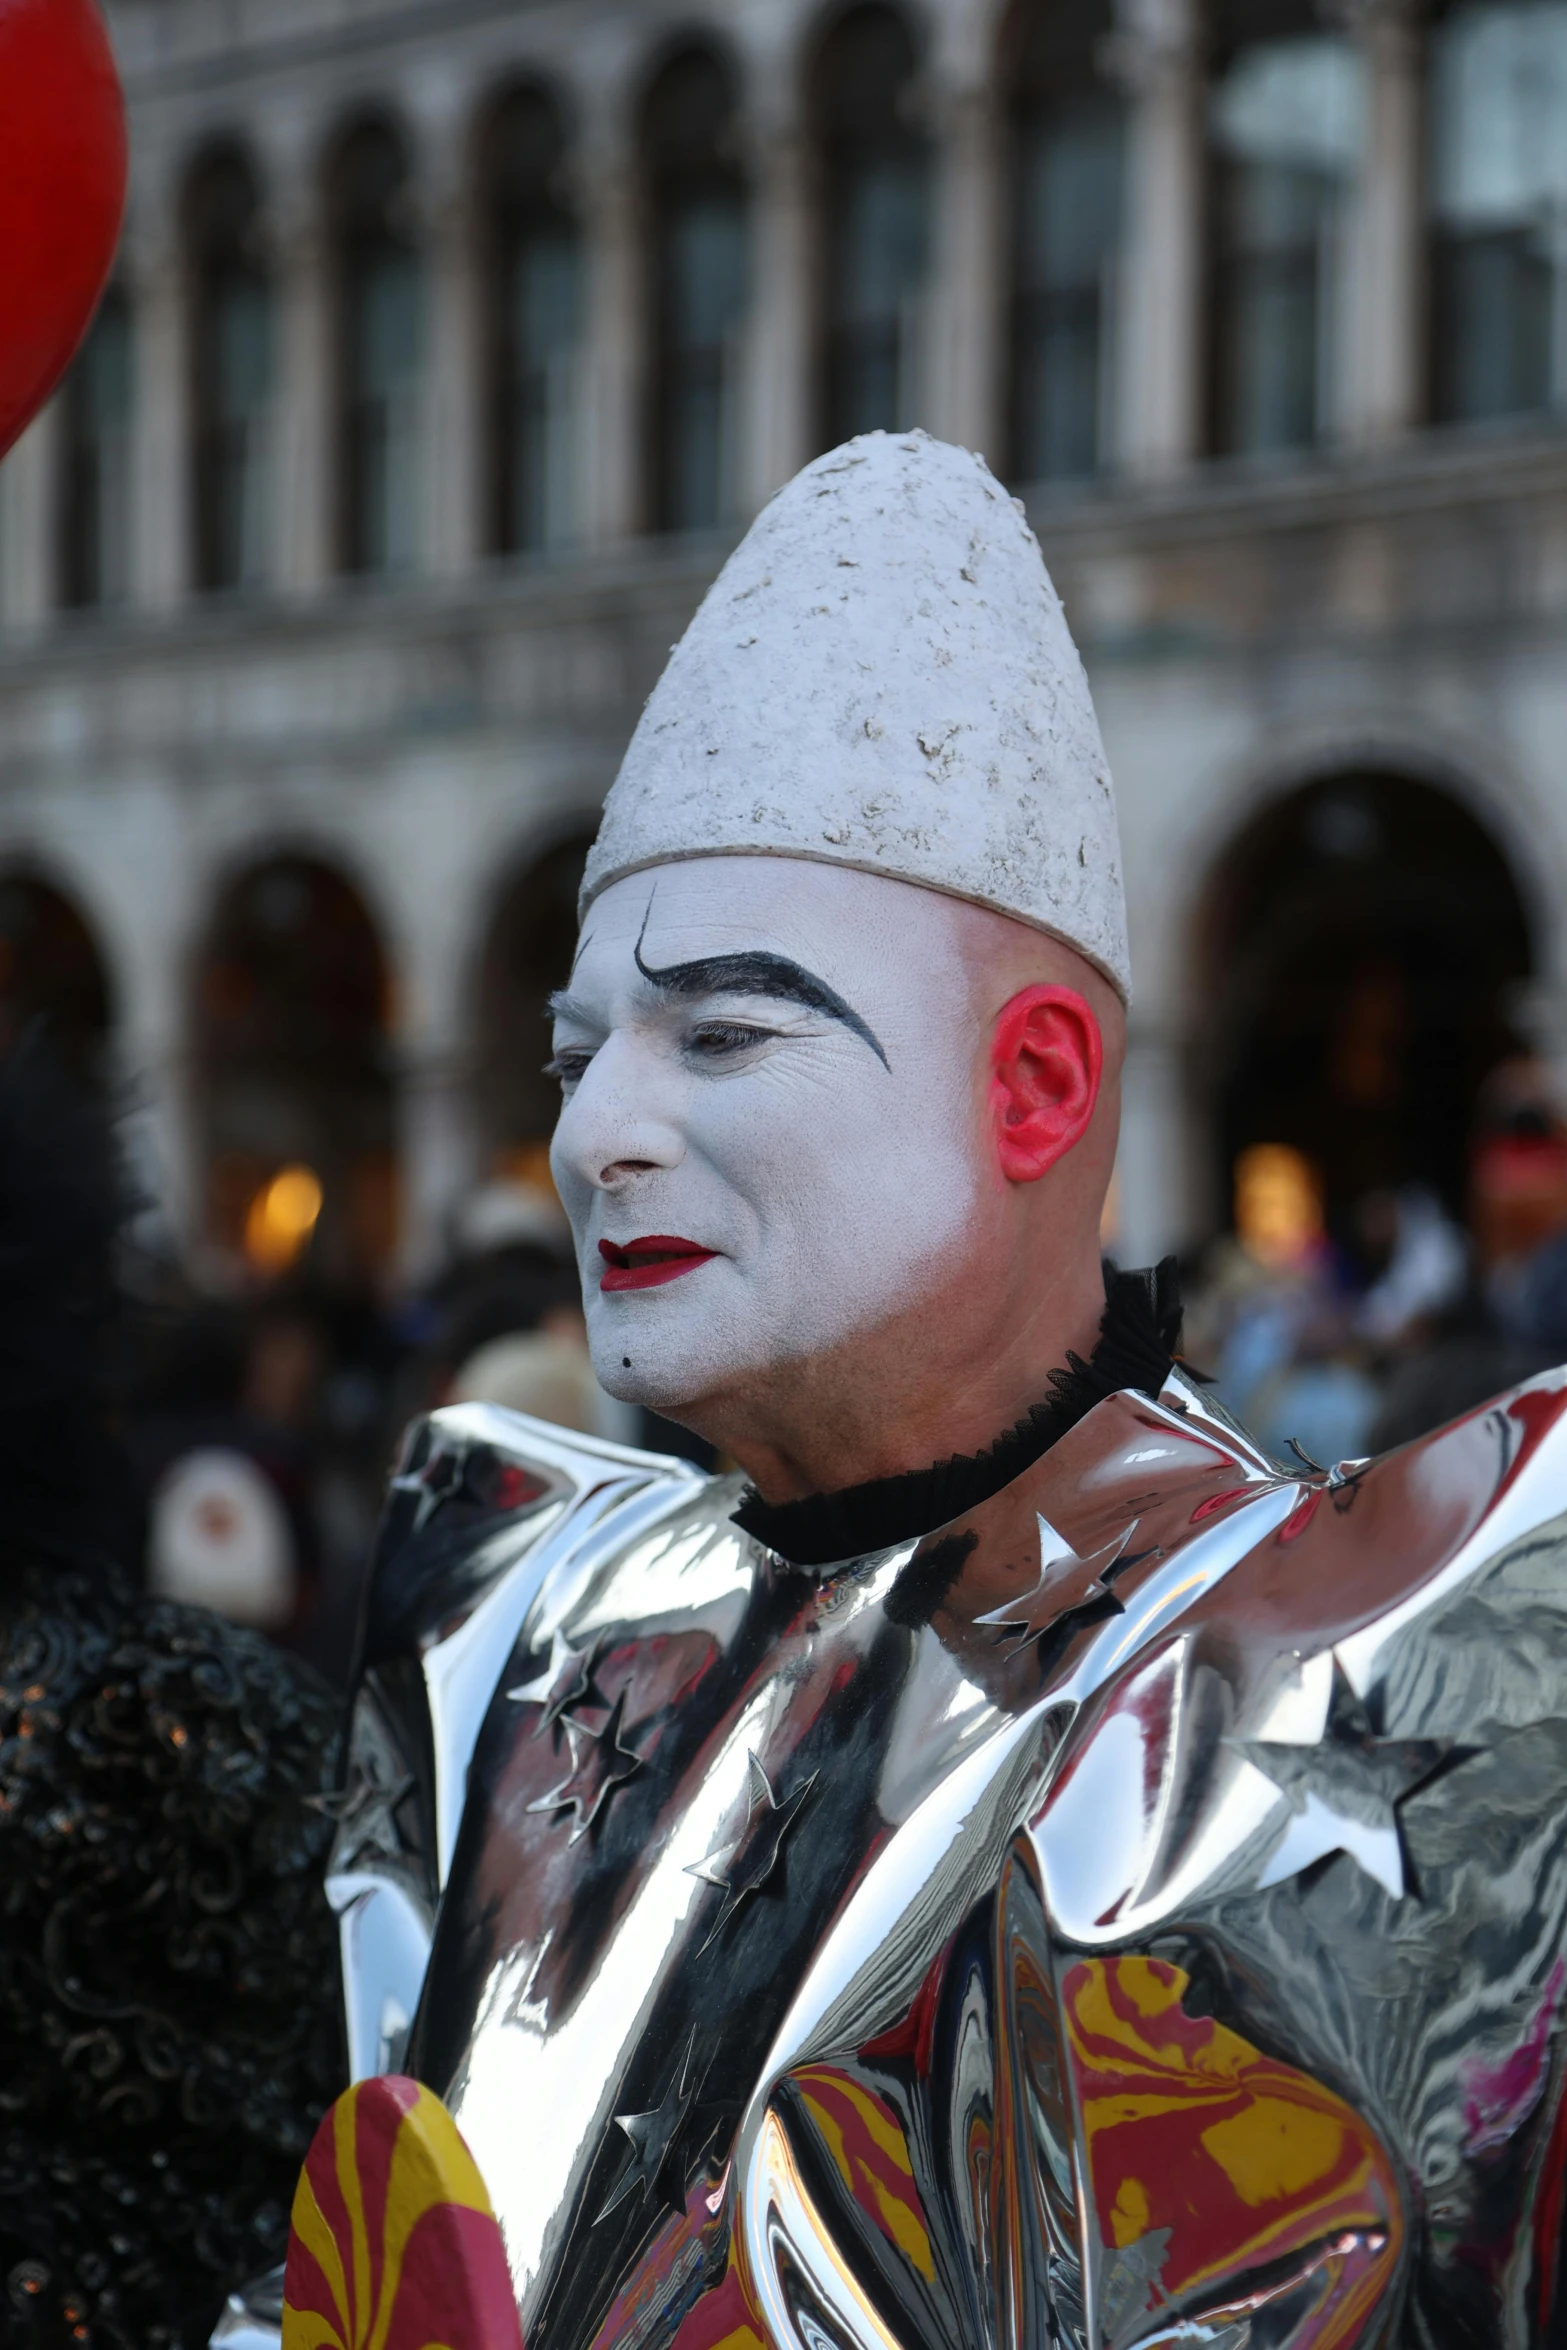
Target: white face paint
{"points": [[772, 1072]]}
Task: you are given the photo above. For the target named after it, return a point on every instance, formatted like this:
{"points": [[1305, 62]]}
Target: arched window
{"points": [[1361, 942], [1066, 219], [535, 323], [232, 352], [875, 170], [1498, 195], [380, 352], [698, 261], [294, 1079], [95, 485], [52, 976], [1286, 124]]}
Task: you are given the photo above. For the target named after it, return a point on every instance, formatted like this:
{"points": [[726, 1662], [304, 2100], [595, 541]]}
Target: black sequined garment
{"points": [[168, 2027], [165, 2044]]}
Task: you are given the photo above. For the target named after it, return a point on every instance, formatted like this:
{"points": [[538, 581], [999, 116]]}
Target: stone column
{"points": [[161, 430], [1155, 1207], [964, 343], [438, 1153], [304, 552], [427, 878], [778, 424], [1154, 53], [616, 338], [160, 1134], [1379, 394], [144, 915], [30, 515]]}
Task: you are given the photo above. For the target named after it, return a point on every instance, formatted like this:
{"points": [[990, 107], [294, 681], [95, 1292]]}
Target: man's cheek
{"points": [[885, 1210], [800, 1105], [812, 1189]]}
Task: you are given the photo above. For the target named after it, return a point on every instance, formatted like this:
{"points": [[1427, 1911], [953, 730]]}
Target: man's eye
{"points": [[569, 1064], [716, 1040]]}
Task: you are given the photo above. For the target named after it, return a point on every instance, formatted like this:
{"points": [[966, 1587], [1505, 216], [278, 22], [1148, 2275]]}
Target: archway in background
{"points": [[527, 953], [295, 1091], [52, 976], [1360, 946]]}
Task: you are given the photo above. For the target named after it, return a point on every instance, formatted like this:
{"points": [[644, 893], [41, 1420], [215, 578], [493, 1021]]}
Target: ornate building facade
{"points": [[449, 348]]}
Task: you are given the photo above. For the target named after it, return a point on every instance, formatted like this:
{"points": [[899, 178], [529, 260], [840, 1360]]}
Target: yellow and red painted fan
{"points": [[393, 2244], [62, 192]]}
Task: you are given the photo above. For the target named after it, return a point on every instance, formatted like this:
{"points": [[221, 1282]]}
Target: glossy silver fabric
{"points": [[460, 1563], [252, 2319], [1135, 1914]]}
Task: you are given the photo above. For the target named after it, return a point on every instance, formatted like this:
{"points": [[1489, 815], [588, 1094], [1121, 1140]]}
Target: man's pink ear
{"points": [[1045, 1062]]}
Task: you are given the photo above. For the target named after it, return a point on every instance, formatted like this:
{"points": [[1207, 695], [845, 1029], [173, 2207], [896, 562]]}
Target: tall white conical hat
{"points": [[881, 676]]}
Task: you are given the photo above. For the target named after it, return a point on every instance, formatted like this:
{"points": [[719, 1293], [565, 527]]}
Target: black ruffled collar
{"points": [[1136, 1348]]}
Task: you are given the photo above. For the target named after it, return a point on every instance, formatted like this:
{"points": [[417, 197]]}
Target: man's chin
{"points": [[656, 1386], [659, 1372]]}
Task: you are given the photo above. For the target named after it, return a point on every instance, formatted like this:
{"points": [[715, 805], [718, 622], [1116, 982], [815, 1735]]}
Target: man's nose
{"points": [[615, 1127]]}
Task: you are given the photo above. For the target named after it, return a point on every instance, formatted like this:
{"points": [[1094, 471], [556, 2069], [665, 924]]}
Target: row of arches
{"points": [[1359, 949], [525, 204], [1287, 113]]}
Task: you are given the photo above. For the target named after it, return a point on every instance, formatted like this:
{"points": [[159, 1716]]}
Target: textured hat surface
{"points": [[881, 676]]}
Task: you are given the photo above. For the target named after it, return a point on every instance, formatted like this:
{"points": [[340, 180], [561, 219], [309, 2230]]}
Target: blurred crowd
{"points": [[261, 1422], [1339, 1338]]}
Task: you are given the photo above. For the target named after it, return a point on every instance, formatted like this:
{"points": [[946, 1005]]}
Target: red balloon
{"points": [[62, 192]]}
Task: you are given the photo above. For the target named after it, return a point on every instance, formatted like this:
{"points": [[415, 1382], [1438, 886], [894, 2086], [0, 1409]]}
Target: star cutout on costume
{"points": [[599, 1764], [744, 1865], [439, 1478], [1067, 1584], [1344, 1791], [364, 1811], [656, 2141], [566, 1681]]}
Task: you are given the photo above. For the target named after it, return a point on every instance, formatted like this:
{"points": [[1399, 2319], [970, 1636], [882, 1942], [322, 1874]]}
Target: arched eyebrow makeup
{"points": [[758, 974], [753, 973]]}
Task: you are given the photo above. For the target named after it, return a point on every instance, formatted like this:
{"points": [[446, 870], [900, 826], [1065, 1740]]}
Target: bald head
{"points": [[834, 1148]]}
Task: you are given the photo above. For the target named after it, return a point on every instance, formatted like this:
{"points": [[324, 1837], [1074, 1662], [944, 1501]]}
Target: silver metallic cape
{"points": [[1135, 1914]]}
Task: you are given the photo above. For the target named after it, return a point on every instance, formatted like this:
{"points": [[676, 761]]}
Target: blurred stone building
{"points": [[452, 343]]}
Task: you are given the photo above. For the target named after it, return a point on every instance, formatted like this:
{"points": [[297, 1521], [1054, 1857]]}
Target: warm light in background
{"points": [[1278, 1203], [525, 1163], [282, 1216]]}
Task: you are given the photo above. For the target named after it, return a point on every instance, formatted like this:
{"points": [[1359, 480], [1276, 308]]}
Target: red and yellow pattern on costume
{"points": [[865, 2140], [1238, 2160], [394, 2245]]}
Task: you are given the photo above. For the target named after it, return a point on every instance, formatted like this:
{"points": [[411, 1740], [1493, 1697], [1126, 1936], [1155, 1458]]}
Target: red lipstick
{"points": [[647, 1263]]}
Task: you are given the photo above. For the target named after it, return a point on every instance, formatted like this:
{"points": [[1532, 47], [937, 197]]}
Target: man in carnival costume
{"points": [[1014, 1865]]}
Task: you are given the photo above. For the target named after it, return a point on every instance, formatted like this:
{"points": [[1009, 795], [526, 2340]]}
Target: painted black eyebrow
{"points": [[758, 974]]}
